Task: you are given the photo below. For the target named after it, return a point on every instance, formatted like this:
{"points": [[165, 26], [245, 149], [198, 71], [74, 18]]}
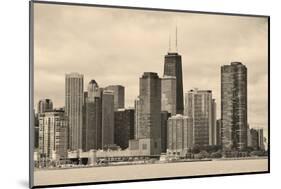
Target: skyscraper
{"points": [[107, 118], [137, 117], [149, 125], [213, 134], [84, 121], [53, 131], [168, 94], [253, 139], [93, 117], [218, 131], [234, 106], [164, 126], [180, 135], [45, 105], [173, 67], [124, 127], [260, 139], [73, 106], [198, 106], [119, 95]]}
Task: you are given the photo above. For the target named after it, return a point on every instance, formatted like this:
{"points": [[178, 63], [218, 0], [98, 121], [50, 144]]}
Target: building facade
{"points": [[93, 117], [45, 105], [164, 127], [173, 67], [107, 118], [137, 116], [53, 132], [256, 139], [180, 135], [119, 95], [198, 106], [234, 106], [261, 145], [124, 127], [73, 106], [149, 111], [169, 94], [218, 131], [213, 134]]}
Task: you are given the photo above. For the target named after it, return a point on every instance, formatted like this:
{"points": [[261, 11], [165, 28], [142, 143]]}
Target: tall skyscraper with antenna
{"points": [[173, 67]]}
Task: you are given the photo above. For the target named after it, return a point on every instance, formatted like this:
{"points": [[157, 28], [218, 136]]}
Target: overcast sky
{"points": [[115, 46]]}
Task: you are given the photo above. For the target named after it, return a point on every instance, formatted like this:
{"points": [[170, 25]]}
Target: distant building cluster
{"points": [[163, 119]]}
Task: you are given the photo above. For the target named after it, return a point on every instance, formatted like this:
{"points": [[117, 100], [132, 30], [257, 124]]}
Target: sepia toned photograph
{"points": [[124, 94]]}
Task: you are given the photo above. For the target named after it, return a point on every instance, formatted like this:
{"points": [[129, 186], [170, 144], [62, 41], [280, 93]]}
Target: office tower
{"points": [[73, 106], [168, 94], [198, 106], [218, 131], [93, 117], [149, 125], [260, 139], [84, 120], [234, 106], [254, 139], [107, 118], [124, 127], [180, 135], [53, 132], [213, 134], [119, 95], [164, 122], [44, 105], [137, 117], [173, 67]]}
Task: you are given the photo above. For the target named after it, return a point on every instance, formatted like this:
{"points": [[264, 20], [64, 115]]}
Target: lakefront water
{"points": [[145, 171]]}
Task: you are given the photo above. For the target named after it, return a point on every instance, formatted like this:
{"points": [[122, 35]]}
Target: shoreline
{"points": [[158, 162], [148, 171]]}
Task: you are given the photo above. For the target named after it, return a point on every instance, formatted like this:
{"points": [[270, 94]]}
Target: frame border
{"points": [[31, 92]]}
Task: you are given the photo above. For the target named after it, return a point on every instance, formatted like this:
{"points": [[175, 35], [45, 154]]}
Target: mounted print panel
{"points": [[122, 94]]}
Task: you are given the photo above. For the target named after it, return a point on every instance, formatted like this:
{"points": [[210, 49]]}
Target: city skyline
{"points": [[196, 60]]}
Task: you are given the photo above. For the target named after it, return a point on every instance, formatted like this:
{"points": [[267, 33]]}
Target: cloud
{"points": [[115, 46]]}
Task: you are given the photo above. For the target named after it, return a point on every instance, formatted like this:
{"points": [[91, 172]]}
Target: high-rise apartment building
{"points": [[218, 132], [45, 105], [107, 118], [256, 139], [164, 126], [234, 106], [261, 145], [198, 106], [93, 117], [149, 111], [53, 132], [73, 108], [213, 133], [137, 116], [169, 94], [124, 127], [180, 135], [119, 95]]}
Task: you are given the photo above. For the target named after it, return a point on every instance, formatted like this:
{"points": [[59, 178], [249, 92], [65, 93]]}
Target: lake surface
{"points": [[145, 171]]}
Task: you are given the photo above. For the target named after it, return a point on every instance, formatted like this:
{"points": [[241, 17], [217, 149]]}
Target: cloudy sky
{"points": [[115, 46]]}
